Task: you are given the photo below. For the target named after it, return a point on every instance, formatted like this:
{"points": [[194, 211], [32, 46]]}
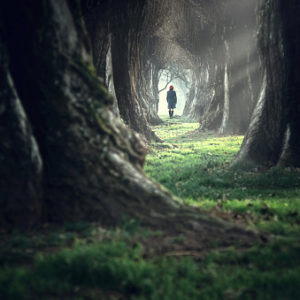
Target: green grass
{"points": [[196, 168], [100, 271], [116, 269], [262, 272], [85, 261]]}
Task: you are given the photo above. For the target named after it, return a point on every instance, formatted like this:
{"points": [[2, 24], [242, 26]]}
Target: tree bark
{"points": [[212, 117], [149, 88], [264, 140], [237, 91], [291, 24], [200, 94], [155, 83], [189, 108], [91, 162], [109, 78], [97, 23], [20, 158], [115, 31]]}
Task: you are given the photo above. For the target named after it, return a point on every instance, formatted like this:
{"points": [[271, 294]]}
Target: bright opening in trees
{"points": [[181, 80]]}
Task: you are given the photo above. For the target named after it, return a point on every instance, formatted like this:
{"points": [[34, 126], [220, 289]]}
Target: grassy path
{"points": [[195, 167], [87, 261]]}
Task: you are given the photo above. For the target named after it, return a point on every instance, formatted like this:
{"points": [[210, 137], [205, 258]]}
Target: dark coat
{"points": [[171, 99]]}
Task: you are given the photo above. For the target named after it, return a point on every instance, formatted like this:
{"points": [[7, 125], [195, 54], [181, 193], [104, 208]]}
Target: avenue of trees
{"points": [[71, 151]]}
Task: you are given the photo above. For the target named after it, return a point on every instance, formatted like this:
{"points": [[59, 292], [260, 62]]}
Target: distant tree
{"points": [[121, 32], [221, 38], [172, 73]]}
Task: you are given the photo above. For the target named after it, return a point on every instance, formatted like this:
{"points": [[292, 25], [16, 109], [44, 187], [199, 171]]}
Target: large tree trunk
{"points": [[115, 30], [241, 62], [91, 164], [279, 46], [126, 63], [291, 25]]}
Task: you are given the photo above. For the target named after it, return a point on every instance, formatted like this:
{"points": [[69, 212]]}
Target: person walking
{"points": [[172, 100]]}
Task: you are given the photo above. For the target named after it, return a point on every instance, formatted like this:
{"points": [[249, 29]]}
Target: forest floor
{"points": [[87, 261]]}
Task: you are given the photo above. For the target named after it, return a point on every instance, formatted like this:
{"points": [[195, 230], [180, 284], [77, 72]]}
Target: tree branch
{"points": [[168, 83]]}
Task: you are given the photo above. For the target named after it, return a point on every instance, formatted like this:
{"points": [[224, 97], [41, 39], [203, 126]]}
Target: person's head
{"points": [[171, 87]]}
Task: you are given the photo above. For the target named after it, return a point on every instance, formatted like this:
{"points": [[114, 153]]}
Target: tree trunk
{"points": [[96, 19], [97, 24], [237, 90], [20, 158], [109, 78], [155, 83], [200, 94], [291, 25], [212, 117], [130, 106], [92, 163], [151, 90], [264, 139], [189, 107], [145, 91], [115, 33]]}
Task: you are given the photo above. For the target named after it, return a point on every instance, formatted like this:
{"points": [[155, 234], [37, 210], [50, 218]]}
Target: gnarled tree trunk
{"points": [[89, 162], [277, 107]]}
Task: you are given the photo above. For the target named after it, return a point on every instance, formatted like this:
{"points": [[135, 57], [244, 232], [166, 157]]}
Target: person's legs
{"points": [[171, 110]]}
